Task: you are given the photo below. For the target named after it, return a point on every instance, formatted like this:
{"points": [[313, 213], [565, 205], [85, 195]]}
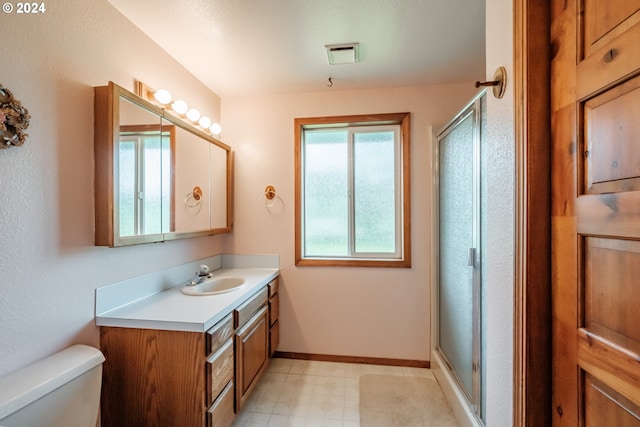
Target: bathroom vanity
{"points": [[182, 360]]}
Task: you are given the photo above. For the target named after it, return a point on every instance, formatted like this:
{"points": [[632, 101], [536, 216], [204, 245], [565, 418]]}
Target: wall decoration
{"points": [[14, 120]]}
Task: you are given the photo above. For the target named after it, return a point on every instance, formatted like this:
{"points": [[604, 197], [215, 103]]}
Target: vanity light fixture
{"points": [[163, 98], [179, 106], [193, 115], [215, 129], [204, 122]]}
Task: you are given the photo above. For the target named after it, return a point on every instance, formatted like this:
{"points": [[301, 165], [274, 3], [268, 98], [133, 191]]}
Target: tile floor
{"points": [[301, 393]]}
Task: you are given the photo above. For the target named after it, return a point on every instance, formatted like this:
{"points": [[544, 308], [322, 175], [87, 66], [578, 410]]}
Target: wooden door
{"points": [[595, 104]]}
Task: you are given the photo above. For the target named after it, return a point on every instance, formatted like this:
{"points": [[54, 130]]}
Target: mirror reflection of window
{"points": [[145, 189]]}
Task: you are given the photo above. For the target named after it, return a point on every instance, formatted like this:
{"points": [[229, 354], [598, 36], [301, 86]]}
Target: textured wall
{"points": [[370, 312], [500, 218], [49, 267]]}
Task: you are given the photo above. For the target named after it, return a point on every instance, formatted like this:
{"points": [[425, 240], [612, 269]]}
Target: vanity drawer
{"points": [[274, 309], [219, 370], [219, 334], [221, 413], [273, 287], [250, 307]]}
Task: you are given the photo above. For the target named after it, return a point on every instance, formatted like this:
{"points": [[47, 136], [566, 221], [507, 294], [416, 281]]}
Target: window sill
{"points": [[378, 263]]}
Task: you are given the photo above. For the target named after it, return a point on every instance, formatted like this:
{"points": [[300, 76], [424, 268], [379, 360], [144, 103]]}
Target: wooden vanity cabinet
{"points": [[157, 378], [252, 344], [153, 378], [274, 313]]}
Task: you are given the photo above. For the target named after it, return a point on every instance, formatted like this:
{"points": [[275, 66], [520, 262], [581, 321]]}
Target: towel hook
{"points": [[269, 197], [196, 195], [499, 82]]}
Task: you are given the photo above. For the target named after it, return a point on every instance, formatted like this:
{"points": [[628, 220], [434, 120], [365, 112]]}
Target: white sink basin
{"points": [[216, 285]]}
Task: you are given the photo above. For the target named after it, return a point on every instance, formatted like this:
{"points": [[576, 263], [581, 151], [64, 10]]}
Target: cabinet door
{"points": [[252, 351]]}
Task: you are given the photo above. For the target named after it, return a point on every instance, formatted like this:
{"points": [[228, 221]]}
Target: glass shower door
{"points": [[459, 251]]}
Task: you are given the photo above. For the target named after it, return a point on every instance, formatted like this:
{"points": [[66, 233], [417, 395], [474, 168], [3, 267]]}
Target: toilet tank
{"points": [[61, 390]]}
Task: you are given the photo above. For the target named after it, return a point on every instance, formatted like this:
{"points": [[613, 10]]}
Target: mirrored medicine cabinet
{"points": [[157, 178]]}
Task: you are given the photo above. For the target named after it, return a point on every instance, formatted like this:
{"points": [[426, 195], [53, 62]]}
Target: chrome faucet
{"points": [[200, 276]]}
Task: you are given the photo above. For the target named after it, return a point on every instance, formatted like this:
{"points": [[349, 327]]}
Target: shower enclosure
{"points": [[459, 230]]}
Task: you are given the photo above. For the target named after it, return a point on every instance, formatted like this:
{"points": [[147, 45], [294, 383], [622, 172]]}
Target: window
{"points": [[352, 191], [144, 184]]}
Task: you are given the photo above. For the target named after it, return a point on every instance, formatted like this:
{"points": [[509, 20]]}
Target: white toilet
{"points": [[61, 390]]}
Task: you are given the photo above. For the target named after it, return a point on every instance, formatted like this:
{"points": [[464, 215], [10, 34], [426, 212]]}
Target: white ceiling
{"points": [[237, 47]]}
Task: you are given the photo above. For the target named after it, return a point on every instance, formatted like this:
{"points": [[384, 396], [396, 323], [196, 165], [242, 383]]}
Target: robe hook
{"points": [[499, 82]]}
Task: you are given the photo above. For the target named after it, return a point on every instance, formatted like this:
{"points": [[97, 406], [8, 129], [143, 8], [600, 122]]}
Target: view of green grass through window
{"points": [[352, 192]]}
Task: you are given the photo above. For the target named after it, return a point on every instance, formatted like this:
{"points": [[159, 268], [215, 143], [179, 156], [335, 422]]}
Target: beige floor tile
{"points": [[302, 393]]}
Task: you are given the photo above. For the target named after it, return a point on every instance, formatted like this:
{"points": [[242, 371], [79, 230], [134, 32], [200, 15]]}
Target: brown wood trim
{"points": [[532, 317], [353, 359], [403, 119], [355, 120], [598, 356], [103, 175], [354, 263]]}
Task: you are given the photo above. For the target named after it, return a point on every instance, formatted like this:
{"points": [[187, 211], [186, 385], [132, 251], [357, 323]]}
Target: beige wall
{"points": [[49, 267], [369, 312]]}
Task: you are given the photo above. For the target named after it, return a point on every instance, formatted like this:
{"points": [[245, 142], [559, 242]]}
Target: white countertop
{"points": [[172, 310]]}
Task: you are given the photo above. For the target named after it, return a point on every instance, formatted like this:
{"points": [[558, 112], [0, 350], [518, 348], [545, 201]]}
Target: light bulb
{"points": [[215, 129], [180, 107], [162, 96], [193, 115], [205, 122]]}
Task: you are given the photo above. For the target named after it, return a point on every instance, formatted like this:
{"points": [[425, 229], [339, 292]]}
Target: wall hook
{"points": [[197, 192], [195, 195], [499, 82], [330, 82], [269, 197]]}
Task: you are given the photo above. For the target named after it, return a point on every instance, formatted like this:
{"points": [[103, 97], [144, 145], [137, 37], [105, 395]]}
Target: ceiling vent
{"points": [[346, 53]]}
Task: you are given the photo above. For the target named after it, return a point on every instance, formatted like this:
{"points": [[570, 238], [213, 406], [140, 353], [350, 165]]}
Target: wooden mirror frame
{"points": [[106, 141]]}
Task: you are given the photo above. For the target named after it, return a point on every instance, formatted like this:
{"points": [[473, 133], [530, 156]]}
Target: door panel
{"points": [[596, 249], [611, 138], [605, 20], [612, 408], [614, 57], [612, 300]]}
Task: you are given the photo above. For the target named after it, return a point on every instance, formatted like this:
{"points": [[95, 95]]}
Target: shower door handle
{"points": [[472, 257]]}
